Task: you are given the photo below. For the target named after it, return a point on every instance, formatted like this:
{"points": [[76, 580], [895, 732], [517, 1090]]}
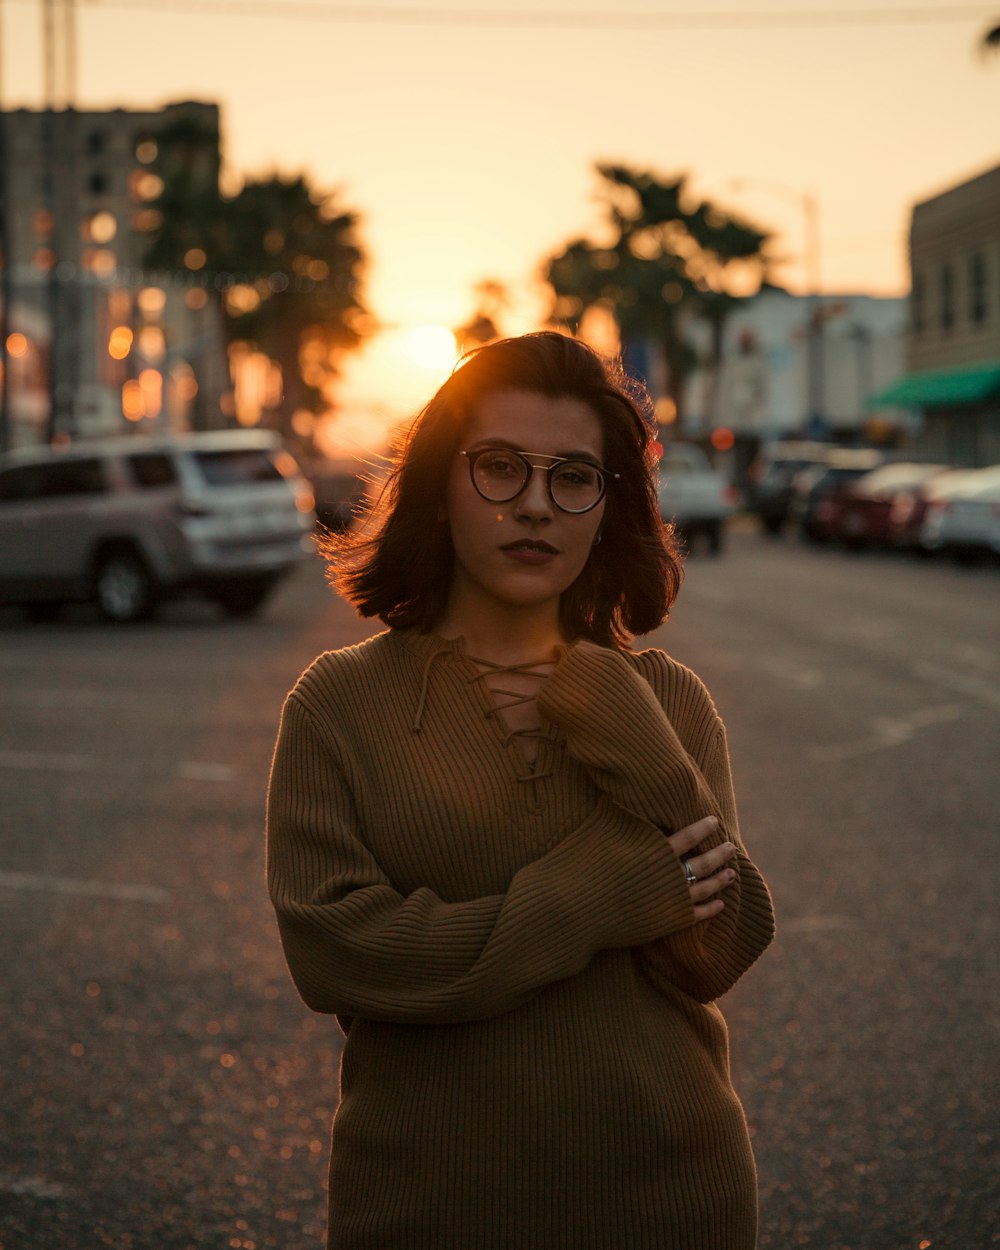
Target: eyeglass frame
{"points": [[605, 475]]}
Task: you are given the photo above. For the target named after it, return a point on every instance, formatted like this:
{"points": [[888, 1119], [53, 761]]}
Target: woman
{"points": [[503, 847]]}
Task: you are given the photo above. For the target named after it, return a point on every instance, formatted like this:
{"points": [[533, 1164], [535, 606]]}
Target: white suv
{"points": [[127, 521]]}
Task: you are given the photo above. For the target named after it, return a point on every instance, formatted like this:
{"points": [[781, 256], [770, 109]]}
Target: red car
{"points": [[910, 508], [864, 508]]}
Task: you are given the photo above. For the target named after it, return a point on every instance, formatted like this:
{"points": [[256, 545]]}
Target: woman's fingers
{"points": [[690, 836], [710, 869], [713, 861]]}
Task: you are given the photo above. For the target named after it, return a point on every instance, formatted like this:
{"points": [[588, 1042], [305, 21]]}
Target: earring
{"points": [[597, 540]]}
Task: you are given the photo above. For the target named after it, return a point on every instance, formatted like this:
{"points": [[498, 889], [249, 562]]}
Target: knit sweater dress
{"points": [[533, 1060]]}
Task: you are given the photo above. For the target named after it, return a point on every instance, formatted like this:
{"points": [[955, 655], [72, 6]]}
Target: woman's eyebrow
{"points": [[559, 455]]}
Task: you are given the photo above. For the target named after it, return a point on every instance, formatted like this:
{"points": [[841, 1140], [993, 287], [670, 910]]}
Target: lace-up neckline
{"points": [[530, 767], [504, 700]]}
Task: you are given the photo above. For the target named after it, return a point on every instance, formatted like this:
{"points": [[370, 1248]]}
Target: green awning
{"points": [[967, 384]]}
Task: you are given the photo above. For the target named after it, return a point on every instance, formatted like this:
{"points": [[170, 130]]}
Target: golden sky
{"points": [[468, 146]]}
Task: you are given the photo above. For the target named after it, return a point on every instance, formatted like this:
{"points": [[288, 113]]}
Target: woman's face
{"points": [[524, 553]]}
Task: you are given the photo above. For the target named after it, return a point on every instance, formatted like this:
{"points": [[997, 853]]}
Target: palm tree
{"points": [[669, 259], [280, 260]]}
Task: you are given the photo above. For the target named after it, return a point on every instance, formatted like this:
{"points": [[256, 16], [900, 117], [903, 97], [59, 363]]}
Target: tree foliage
{"points": [[282, 259], [668, 257]]}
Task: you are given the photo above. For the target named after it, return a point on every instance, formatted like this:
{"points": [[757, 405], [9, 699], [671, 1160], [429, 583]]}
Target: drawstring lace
{"points": [[536, 772], [425, 682], [503, 700]]}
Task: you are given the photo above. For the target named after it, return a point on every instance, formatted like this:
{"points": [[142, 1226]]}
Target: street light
{"points": [[809, 204]]}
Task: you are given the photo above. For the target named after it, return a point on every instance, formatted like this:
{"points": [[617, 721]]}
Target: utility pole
{"points": [[5, 272], [59, 192]]}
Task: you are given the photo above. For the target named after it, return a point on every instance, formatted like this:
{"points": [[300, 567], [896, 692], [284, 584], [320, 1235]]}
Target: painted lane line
{"points": [[193, 771], [64, 762], [66, 700], [982, 689], [30, 1186], [88, 889], [890, 732]]}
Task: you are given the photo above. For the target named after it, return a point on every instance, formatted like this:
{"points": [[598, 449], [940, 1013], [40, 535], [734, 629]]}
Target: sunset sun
{"points": [[431, 346]]}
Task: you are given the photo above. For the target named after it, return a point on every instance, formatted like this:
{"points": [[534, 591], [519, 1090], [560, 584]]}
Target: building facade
{"points": [[797, 365], [94, 342], [952, 376]]}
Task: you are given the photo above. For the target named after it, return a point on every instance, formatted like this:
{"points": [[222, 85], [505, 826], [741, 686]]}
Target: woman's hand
{"points": [[707, 873]]}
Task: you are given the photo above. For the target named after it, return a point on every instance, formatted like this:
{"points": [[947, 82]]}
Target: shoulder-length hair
{"points": [[397, 563]]}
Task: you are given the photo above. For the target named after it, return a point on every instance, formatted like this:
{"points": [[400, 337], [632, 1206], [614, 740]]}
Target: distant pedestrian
{"points": [[503, 846]]}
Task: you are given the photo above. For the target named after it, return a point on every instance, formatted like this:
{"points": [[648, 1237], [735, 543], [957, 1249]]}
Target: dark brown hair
{"points": [[397, 564]]}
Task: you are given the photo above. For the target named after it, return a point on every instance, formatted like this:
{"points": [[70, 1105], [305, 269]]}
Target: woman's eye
{"points": [[499, 465], [577, 475]]}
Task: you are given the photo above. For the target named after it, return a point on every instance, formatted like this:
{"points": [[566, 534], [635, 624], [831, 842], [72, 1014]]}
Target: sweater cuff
{"points": [[614, 725]]}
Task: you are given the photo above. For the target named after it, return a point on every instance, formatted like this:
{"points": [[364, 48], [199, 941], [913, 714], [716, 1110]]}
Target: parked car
{"points": [[910, 507], [862, 512], [694, 496], [816, 491], [769, 491], [125, 522], [964, 520]]}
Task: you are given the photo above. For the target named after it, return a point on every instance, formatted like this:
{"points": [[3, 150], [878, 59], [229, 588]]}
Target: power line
{"points": [[396, 15]]}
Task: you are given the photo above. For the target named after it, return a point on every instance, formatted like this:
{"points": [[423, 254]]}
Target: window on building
{"points": [[977, 289], [98, 183], [95, 142], [947, 308], [918, 304]]}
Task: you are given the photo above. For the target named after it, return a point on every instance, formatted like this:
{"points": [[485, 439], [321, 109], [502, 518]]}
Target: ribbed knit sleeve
{"points": [[612, 710], [357, 946]]}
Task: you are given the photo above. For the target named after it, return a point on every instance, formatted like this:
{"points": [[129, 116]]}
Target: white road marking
{"points": [[46, 699], [814, 924], [889, 732], [982, 689], [798, 675], [204, 772], [89, 889], [64, 762], [32, 1186]]}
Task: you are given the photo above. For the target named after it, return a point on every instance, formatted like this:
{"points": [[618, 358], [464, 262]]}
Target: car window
{"points": [[237, 467], [73, 477], [24, 482], [152, 468], [53, 481]]}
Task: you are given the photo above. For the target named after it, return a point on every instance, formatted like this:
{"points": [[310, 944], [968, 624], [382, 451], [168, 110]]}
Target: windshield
{"points": [[237, 467]]}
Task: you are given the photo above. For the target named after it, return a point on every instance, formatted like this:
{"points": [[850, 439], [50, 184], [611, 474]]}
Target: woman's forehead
{"points": [[533, 422]]}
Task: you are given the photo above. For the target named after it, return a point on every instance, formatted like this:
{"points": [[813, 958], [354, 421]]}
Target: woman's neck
{"points": [[505, 637]]}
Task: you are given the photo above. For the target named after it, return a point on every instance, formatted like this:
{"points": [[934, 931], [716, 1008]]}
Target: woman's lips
{"points": [[530, 552]]}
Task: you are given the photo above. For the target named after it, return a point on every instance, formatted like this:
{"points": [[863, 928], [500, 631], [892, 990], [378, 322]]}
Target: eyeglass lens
{"points": [[501, 475]]}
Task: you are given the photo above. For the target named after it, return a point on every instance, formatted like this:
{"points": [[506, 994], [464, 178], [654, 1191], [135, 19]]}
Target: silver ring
{"points": [[690, 876]]}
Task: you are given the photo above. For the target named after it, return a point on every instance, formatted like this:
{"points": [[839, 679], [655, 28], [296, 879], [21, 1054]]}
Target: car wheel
{"points": [[124, 588], [242, 598]]}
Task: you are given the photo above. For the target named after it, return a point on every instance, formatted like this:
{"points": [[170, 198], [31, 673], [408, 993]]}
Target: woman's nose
{"points": [[534, 500]]}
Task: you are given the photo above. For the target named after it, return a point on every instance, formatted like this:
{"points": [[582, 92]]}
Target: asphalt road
{"points": [[162, 1087]]}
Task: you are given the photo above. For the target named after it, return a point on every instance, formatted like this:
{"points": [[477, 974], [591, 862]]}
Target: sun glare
{"points": [[431, 346]]}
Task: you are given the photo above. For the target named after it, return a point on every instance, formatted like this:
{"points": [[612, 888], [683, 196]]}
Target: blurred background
{"points": [[241, 241]]}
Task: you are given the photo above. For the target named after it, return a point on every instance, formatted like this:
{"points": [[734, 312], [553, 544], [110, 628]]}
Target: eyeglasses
{"points": [[500, 475]]}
